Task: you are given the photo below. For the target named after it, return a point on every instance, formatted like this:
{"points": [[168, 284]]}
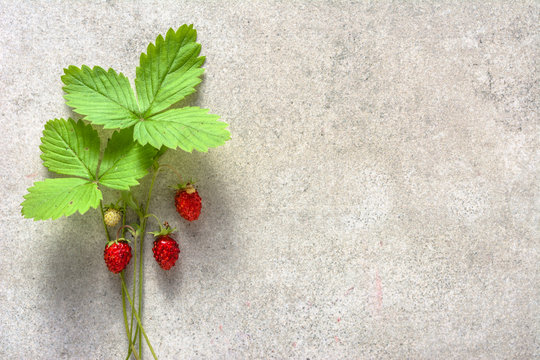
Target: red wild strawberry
{"points": [[117, 255], [165, 248], [188, 202], [166, 251]]}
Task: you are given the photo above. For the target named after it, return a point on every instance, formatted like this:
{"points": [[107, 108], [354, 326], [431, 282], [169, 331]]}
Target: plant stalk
{"points": [[141, 249], [128, 328], [103, 220], [130, 332], [137, 317]]}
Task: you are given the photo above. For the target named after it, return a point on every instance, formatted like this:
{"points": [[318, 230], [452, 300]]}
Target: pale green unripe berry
{"points": [[112, 217]]}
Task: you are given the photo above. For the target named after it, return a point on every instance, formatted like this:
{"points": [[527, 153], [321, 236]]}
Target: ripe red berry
{"points": [[117, 255], [165, 251], [188, 203]]}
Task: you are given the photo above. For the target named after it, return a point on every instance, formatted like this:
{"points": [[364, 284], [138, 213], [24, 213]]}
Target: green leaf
{"points": [[169, 70], [103, 97], [70, 148], [53, 198], [129, 199], [124, 161], [187, 128]]}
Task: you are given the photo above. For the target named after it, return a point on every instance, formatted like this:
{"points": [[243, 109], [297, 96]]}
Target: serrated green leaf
{"points": [[70, 148], [53, 198], [187, 128], [103, 97], [169, 70], [124, 161]]}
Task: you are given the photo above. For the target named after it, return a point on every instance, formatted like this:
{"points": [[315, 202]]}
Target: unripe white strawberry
{"points": [[112, 217]]}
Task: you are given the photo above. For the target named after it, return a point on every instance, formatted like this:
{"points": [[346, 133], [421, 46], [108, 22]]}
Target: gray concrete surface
{"points": [[379, 198]]}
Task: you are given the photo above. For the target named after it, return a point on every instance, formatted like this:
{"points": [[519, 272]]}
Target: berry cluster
{"points": [[117, 253]]}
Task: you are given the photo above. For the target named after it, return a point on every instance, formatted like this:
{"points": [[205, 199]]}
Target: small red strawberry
{"points": [[117, 255], [165, 248], [188, 202]]}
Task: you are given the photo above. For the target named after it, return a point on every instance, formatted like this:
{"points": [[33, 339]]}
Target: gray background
{"points": [[379, 197]]}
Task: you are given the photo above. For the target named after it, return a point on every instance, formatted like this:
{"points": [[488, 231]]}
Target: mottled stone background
{"points": [[379, 198]]}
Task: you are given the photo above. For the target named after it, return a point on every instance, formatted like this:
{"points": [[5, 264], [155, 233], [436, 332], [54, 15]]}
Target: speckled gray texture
{"points": [[379, 198]]}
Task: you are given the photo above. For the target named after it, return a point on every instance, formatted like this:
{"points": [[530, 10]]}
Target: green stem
{"points": [[103, 220], [124, 216], [137, 317], [155, 217], [134, 337], [143, 233], [134, 353], [130, 333], [130, 346], [128, 328], [172, 169], [125, 315], [131, 339], [132, 342]]}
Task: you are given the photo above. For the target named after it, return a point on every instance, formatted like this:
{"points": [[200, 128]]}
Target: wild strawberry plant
{"points": [[145, 127]]}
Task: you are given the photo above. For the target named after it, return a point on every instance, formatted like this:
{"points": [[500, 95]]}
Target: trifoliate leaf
{"points": [[187, 128], [103, 97], [169, 70], [70, 148], [124, 161], [53, 198]]}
